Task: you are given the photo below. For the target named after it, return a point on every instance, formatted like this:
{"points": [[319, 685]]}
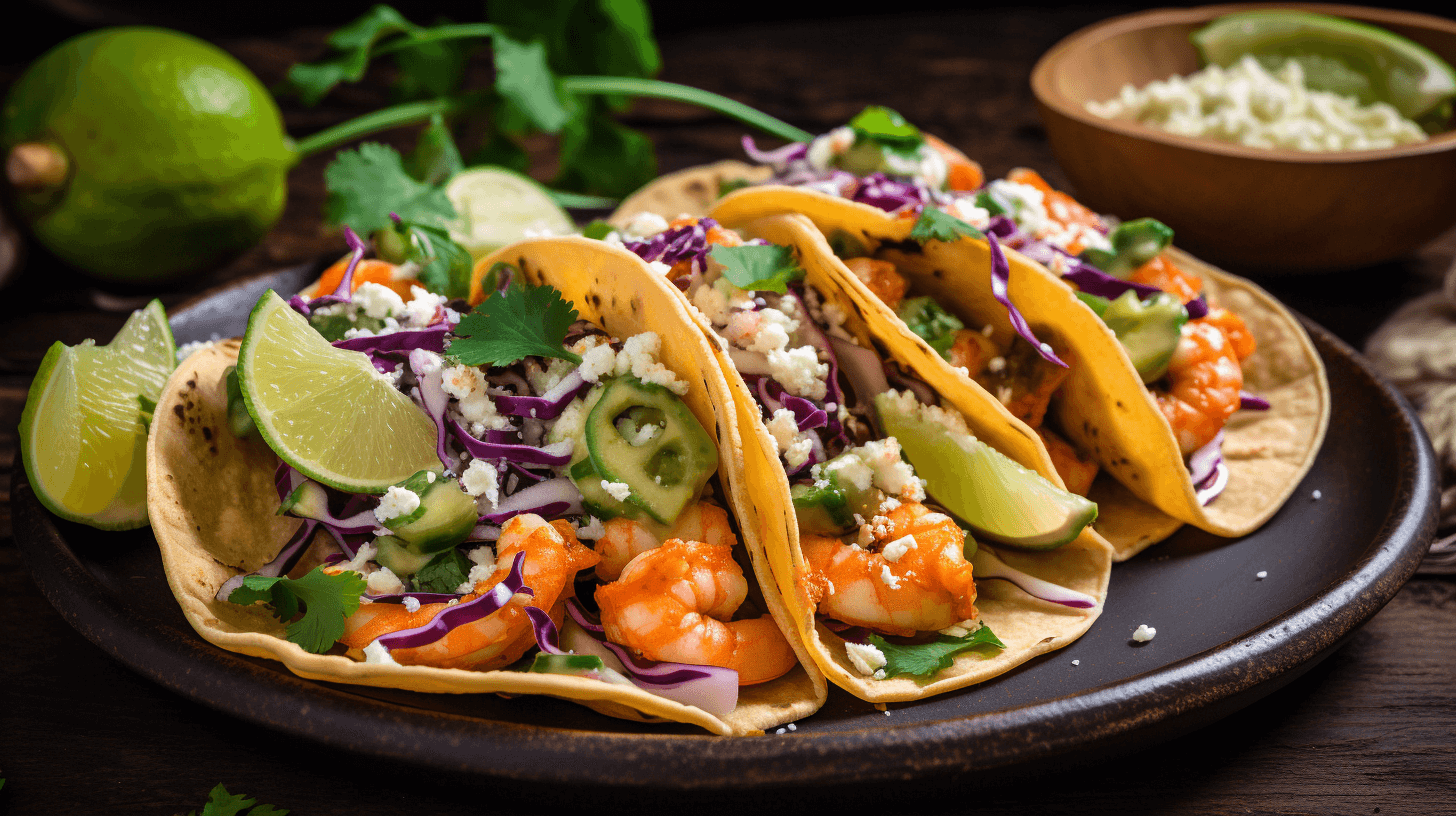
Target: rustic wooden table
{"points": [[1368, 731]]}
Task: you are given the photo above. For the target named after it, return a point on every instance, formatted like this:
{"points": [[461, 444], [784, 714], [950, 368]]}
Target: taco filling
{"points": [[572, 523], [1187, 350], [890, 568]]}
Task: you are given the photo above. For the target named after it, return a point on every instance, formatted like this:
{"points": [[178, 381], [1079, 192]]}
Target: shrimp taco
{"points": [[1197, 395], [531, 497], [870, 476]]}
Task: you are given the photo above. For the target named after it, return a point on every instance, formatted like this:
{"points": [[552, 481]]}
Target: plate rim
{"points": [[1168, 700]]}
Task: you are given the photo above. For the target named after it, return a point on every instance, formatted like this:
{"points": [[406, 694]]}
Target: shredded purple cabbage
{"points": [[686, 243], [550, 404], [1207, 470], [284, 561], [1000, 283], [463, 613], [1252, 402], [1197, 307], [1094, 281], [987, 564], [344, 292], [891, 195], [553, 455], [429, 339], [551, 498], [792, 151], [432, 396]]}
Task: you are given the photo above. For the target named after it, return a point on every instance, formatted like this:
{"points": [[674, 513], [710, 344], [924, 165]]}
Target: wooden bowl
{"points": [[1245, 207]]}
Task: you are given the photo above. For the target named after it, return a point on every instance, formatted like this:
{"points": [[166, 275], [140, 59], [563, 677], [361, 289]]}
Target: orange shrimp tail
{"points": [[1060, 207], [761, 652], [881, 278]]}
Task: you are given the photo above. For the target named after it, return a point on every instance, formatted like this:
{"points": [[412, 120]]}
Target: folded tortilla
{"points": [[213, 505], [1104, 408], [1027, 625]]}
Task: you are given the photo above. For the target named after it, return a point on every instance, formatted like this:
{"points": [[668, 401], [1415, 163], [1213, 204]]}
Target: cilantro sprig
{"points": [[326, 601], [443, 573], [888, 128], [925, 659], [222, 803], [521, 321], [367, 184], [562, 69], [758, 267], [935, 225]]}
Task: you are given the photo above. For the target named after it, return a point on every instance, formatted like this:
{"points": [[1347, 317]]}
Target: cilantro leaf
{"points": [[525, 82], [612, 38], [758, 267], [443, 573], [925, 659], [148, 408], [435, 157], [597, 229], [887, 127], [934, 225], [354, 42], [368, 184], [445, 266], [222, 803], [429, 70], [327, 600], [523, 321], [726, 186]]}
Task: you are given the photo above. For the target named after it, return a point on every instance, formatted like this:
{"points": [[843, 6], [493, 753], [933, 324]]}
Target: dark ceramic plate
{"points": [[1225, 638]]}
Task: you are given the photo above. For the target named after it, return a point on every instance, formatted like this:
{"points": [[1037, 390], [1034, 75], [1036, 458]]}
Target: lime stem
{"points": [[412, 113], [36, 166], [658, 89]]}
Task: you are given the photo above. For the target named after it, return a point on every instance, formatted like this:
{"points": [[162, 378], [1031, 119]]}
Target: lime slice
{"points": [[1338, 55], [497, 207], [326, 411], [998, 497], [82, 436]]}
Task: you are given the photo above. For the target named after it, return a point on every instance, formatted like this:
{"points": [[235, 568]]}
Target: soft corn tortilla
{"points": [[1104, 406], [1028, 626], [693, 191], [212, 504]]}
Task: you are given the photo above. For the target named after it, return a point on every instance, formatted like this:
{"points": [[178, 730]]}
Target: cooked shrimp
{"points": [[673, 603], [626, 538], [914, 577], [961, 172], [1027, 381], [1168, 276], [1204, 380], [1060, 207], [553, 557], [368, 271], [1076, 470], [972, 350], [1233, 328], [881, 278]]}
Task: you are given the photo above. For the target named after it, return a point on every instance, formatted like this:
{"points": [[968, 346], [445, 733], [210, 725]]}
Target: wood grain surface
{"points": [[1370, 730]]}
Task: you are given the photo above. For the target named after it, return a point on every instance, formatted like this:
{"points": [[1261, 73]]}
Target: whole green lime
{"points": [[150, 153]]}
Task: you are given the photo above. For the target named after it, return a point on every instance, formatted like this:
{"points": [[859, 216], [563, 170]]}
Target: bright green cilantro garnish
{"points": [[758, 268], [934, 225], [445, 266], [436, 157], [328, 600], [368, 184], [887, 127], [149, 407], [925, 659], [930, 322], [523, 321], [222, 803], [310, 82], [443, 573], [597, 230]]}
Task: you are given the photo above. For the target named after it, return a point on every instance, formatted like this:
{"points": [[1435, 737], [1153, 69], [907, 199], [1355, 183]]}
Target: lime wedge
{"points": [[326, 411], [496, 207], [998, 497], [1338, 55], [82, 436]]}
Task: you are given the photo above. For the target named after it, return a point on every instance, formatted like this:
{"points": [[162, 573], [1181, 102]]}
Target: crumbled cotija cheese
{"points": [[1248, 105]]}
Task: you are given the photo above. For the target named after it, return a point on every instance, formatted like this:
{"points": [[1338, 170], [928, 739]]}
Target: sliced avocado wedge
{"points": [[999, 498]]}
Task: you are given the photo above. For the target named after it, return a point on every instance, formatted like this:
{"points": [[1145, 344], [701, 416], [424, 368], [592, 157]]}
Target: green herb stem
{"points": [[582, 201], [463, 31], [410, 113], [656, 88]]}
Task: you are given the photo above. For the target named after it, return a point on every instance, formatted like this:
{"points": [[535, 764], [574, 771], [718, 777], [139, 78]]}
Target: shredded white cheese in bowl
{"points": [[1248, 105]]}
